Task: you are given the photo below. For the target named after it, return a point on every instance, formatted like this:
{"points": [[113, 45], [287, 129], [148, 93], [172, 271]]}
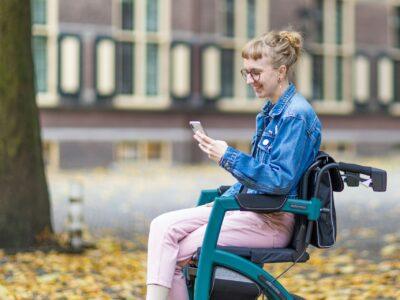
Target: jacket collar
{"points": [[283, 101]]}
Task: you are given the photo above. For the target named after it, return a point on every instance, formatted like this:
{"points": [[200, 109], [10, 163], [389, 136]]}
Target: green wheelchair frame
{"points": [[212, 257]]}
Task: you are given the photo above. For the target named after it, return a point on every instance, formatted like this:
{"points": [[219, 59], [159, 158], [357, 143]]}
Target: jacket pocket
{"points": [[265, 145]]}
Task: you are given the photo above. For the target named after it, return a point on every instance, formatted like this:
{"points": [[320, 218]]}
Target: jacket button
{"points": [[265, 142]]}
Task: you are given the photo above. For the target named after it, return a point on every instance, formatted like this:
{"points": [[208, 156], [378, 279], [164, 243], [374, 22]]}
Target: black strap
{"points": [[243, 190]]}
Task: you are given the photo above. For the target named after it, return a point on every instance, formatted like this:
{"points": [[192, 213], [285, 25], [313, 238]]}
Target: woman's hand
{"points": [[215, 149]]}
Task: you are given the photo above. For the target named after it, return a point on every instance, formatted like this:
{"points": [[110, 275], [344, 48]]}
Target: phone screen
{"points": [[196, 126]]}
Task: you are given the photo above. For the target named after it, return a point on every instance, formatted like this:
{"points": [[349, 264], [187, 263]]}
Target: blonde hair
{"points": [[281, 47]]}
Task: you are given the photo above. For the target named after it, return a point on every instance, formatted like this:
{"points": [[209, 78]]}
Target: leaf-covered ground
{"points": [[116, 269], [113, 270]]}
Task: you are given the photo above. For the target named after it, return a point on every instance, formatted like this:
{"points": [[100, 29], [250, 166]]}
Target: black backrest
{"points": [[307, 181]]}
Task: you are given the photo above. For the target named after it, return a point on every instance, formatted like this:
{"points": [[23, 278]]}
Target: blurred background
{"points": [[119, 80]]}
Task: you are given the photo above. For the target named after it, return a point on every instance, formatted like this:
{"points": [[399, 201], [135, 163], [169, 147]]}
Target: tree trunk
{"points": [[24, 198]]}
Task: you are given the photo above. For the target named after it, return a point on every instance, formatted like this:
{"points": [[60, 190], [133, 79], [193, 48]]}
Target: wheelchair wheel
{"points": [[295, 297]]}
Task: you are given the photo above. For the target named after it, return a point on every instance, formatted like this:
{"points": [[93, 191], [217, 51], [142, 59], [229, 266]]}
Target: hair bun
{"points": [[293, 37]]}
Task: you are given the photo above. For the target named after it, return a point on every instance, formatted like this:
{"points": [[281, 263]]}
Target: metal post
{"points": [[75, 217]]}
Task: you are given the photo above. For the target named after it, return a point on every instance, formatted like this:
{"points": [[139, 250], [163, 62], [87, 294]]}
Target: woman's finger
{"points": [[206, 138], [204, 148], [199, 139]]}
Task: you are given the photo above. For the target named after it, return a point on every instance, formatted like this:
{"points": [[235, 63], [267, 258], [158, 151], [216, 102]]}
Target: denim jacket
{"points": [[286, 142]]}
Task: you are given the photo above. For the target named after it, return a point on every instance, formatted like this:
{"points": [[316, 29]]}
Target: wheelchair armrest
{"points": [[261, 203], [274, 203], [208, 196]]}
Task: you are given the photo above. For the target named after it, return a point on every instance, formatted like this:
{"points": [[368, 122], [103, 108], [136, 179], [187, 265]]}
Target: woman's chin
{"points": [[259, 94]]}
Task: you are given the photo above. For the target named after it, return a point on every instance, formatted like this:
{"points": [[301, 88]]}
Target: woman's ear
{"points": [[282, 71]]}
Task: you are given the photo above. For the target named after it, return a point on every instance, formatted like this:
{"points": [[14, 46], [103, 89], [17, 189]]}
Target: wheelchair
{"points": [[236, 273]]}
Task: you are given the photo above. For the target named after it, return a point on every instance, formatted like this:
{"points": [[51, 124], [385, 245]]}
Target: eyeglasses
{"points": [[254, 73]]}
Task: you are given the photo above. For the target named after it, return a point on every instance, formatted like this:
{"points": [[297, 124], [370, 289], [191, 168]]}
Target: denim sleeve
{"points": [[282, 170]]}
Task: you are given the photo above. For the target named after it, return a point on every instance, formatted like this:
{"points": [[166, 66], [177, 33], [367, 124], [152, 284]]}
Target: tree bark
{"points": [[24, 198]]}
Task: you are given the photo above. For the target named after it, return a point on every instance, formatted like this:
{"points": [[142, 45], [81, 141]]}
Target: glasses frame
{"points": [[255, 77]]}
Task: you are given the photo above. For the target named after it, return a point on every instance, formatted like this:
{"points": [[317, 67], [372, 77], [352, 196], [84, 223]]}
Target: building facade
{"points": [[120, 79]]}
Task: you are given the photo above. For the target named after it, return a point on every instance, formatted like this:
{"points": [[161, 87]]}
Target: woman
{"points": [[287, 139]]}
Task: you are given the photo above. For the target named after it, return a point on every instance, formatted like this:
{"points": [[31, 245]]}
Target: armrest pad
{"points": [[222, 189], [261, 203]]}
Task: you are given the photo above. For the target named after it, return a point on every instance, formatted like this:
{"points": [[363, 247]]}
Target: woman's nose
{"points": [[249, 79]]}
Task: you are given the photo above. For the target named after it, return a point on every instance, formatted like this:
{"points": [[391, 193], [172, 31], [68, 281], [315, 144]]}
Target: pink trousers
{"points": [[175, 236]]}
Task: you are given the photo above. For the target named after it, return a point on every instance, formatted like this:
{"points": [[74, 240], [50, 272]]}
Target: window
{"points": [[143, 36], [339, 78], [39, 15], [40, 62], [128, 151], [229, 18], [397, 26], [137, 151], [397, 79], [251, 18], [152, 15], [127, 14], [125, 67], [238, 22], [319, 21], [318, 77], [362, 78], [152, 70], [44, 43], [154, 150], [332, 53], [385, 74], [339, 21], [227, 71]]}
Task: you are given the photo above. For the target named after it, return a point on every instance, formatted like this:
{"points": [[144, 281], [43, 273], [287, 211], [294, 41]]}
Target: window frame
{"points": [[140, 37], [241, 99], [337, 48], [49, 29]]}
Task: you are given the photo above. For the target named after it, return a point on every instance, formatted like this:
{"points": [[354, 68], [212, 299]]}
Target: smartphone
{"points": [[196, 126]]}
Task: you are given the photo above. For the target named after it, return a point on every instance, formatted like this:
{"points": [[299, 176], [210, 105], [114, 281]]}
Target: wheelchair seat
{"points": [[264, 255]]}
